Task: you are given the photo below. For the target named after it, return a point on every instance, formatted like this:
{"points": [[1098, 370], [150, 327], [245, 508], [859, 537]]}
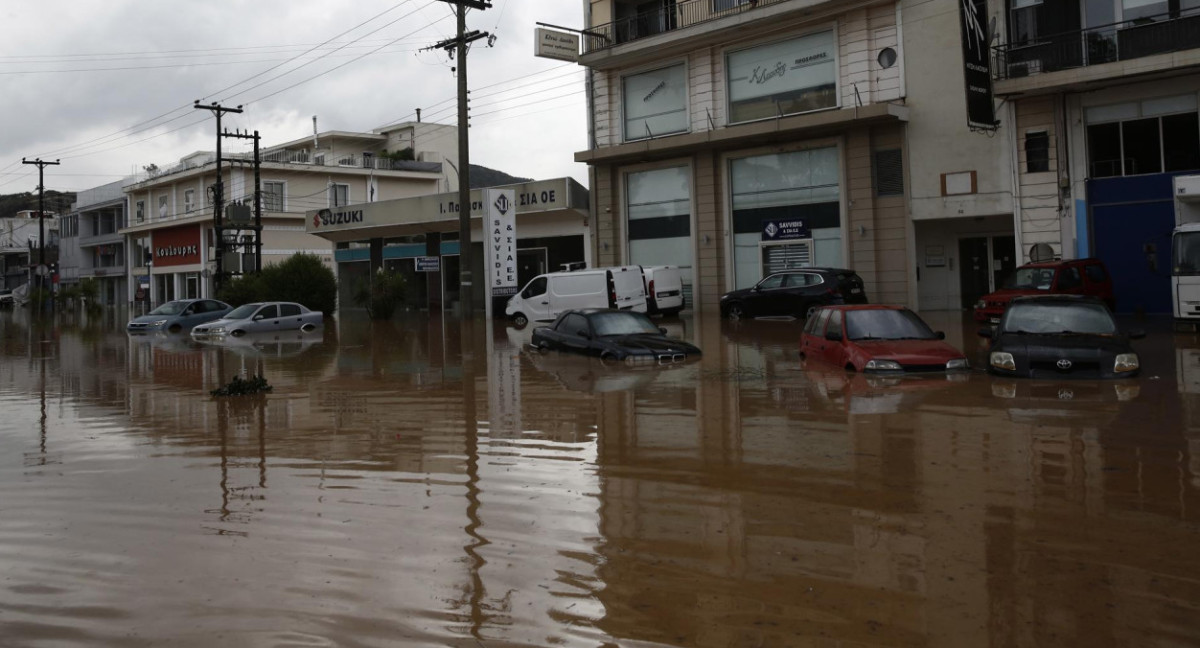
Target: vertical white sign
{"points": [[500, 239]]}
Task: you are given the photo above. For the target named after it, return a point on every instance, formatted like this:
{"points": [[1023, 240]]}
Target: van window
{"points": [[1095, 273], [535, 287], [1069, 278], [583, 284]]}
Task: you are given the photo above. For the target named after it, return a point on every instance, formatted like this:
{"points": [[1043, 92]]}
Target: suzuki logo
{"points": [[1064, 364]]}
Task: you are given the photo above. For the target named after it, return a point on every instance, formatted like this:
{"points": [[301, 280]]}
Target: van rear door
{"points": [[627, 289]]}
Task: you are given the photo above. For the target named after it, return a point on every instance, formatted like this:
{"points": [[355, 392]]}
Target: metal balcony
{"points": [[1159, 34], [668, 16]]}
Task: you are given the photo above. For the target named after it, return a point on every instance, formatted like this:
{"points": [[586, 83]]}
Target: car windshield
{"points": [[1186, 254], [1058, 318], [243, 311], [1031, 279], [170, 308], [622, 324], [886, 324]]}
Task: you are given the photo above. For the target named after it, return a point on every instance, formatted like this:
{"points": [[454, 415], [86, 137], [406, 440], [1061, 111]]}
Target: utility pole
{"points": [[218, 192], [257, 196], [457, 47], [41, 165]]}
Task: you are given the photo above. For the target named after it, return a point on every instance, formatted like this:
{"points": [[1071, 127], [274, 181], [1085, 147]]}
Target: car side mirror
{"points": [[257, 317], [833, 336], [662, 329], [583, 334], [985, 332], [941, 335], [754, 289], [1136, 334]]}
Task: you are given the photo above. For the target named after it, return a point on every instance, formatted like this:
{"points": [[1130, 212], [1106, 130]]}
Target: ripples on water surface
{"points": [[389, 492]]}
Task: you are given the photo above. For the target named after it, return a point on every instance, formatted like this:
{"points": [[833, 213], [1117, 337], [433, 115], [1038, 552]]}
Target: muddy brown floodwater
{"points": [[394, 491]]}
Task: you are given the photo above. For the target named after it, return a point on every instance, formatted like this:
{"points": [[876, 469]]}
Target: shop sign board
{"points": [[786, 230], [500, 241], [554, 44], [429, 264]]}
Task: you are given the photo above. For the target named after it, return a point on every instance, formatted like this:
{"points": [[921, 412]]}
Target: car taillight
{"points": [[650, 291]]}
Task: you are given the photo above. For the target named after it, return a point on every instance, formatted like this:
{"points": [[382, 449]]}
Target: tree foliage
{"points": [[302, 278], [381, 294]]}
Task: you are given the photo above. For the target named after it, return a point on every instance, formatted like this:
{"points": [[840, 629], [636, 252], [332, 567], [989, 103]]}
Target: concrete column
{"points": [[433, 248]]}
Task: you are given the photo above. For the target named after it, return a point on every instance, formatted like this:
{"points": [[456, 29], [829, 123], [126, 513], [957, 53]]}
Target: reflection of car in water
{"points": [[595, 375], [161, 340], [1060, 336], [859, 393], [270, 345], [877, 339], [261, 318], [179, 315], [613, 335]]}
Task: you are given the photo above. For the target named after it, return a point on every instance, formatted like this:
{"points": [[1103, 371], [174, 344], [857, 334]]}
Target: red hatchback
{"points": [[1072, 277], [875, 338]]}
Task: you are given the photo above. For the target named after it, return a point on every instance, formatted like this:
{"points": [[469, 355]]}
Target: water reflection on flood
{"points": [[393, 490]]}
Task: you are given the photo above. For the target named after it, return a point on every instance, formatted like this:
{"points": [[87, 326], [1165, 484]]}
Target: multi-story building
{"points": [[21, 245], [170, 234], [1104, 97], [92, 245]]}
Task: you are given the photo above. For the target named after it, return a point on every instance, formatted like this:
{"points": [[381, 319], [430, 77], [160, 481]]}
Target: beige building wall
{"points": [[1041, 210]]}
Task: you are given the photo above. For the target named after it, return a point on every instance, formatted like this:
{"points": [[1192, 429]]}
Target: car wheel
{"points": [[519, 319], [735, 311], [238, 333], [307, 327], [609, 356]]}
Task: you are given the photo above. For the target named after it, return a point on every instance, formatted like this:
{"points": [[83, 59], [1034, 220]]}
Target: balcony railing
{"points": [[668, 16], [1158, 34]]}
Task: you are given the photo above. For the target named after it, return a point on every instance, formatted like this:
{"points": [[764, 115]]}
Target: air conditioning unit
{"points": [[1020, 69]]}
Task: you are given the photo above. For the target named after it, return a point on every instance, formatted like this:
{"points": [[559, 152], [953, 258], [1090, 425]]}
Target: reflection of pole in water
{"points": [[474, 522]]}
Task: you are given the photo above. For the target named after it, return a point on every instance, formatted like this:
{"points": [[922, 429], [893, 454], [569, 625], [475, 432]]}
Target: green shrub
{"points": [[381, 293], [302, 278]]}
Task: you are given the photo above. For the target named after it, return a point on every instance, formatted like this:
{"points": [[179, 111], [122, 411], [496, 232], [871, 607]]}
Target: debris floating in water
{"points": [[239, 387]]}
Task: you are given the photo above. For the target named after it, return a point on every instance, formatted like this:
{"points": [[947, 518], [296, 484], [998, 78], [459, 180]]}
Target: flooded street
{"points": [[392, 490]]}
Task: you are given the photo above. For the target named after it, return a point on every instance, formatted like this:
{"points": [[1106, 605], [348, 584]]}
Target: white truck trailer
{"points": [[1185, 254]]}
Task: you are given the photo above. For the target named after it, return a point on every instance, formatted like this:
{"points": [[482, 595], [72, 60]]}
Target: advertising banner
{"points": [[977, 67], [500, 241]]}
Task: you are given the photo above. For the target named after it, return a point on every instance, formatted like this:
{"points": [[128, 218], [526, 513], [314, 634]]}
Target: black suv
{"points": [[794, 292]]}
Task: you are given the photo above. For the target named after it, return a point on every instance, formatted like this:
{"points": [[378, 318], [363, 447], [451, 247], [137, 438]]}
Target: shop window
{"points": [[784, 78], [655, 103], [1037, 151], [1104, 150], [658, 205], [1181, 142], [889, 173]]}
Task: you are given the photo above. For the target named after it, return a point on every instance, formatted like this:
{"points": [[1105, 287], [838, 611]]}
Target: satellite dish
{"points": [[1041, 252]]}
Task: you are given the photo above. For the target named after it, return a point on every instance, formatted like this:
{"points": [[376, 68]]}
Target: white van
{"points": [[664, 289], [548, 295]]}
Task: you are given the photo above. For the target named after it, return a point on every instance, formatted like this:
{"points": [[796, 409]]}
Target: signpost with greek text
{"points": [[500, 241]]}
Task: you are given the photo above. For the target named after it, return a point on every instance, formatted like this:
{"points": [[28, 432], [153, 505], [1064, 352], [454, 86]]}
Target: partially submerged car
{"points": [[178, 315], [1069, 277], [262, 317], [877, 339], [1060, 336], [613, 335]]}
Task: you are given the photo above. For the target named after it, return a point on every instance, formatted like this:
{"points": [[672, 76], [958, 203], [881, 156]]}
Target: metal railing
{"points": [[668, 16], [1131, 39]]}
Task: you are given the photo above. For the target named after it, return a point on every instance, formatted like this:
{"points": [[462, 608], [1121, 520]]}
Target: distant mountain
{"points": [[58, 202], [482, 177]]}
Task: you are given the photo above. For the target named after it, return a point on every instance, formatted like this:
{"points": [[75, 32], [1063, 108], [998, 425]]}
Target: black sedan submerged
{"points": [[612, 335], [1060, 336]]}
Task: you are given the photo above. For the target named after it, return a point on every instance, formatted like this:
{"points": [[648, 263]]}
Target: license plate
{"points": [[855, 291]]}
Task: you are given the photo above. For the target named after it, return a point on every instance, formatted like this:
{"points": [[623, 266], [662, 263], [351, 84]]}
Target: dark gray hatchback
{"points": [[795, 293]]}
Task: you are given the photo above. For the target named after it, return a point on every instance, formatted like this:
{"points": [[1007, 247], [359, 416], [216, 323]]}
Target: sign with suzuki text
{"points": [[500, 240]]}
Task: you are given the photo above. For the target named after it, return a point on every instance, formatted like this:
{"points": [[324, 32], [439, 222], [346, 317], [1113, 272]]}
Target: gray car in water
{"points": [[262, 317], [178, 315]]}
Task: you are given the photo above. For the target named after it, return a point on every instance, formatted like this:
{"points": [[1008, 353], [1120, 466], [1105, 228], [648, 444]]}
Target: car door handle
{"points": [[544, 303]]}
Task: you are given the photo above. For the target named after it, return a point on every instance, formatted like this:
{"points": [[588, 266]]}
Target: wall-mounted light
{"points": [[704, 238], [604, 245], [862, 230]]}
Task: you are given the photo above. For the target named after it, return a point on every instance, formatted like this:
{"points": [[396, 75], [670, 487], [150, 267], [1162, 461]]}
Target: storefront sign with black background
{"points": [[977, 68], [785, 230]]}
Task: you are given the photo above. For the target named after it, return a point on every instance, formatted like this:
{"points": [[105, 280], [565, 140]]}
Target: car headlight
{"points": [[158, 322], [958, 363], [883, 365], [724, 297], [1125, 362], [217, 329], [1003, 360]]}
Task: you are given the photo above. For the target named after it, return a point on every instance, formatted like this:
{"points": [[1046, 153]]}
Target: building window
{"points": [[1037, 151], [1149, 136], [889, 173], [658, 205], [655, 103], [272, 196], [162, 206], [785, 188], [189, 200], [785, 78], [339, 195], [1023, 24], [140, 211]]}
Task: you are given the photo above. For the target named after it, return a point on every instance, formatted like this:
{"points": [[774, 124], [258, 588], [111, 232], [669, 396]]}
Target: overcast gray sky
{"points": [[108, 86]]}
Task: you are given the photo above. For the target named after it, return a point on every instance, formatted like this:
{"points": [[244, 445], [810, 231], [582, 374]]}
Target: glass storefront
{"points": [[793, 76], [658, 203], [777, 189]]}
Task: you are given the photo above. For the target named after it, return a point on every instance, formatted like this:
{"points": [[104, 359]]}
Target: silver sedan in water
{"points": [[261, 317]]}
